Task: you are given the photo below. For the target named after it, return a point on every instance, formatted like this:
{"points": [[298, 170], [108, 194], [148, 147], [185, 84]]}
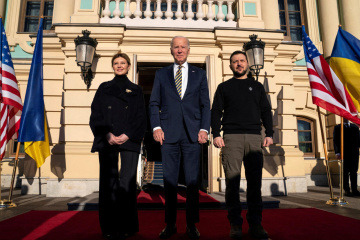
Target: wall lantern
{"points": [[85, 51], [255, 54]]}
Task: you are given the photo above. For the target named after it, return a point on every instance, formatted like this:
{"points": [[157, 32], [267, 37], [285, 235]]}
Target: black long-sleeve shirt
{"points": [[241, 106]]}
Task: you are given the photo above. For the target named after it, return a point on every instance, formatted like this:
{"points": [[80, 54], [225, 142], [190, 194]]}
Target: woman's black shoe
{"points": [[168, 231]]}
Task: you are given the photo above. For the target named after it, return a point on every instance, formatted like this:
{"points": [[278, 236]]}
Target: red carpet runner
{"points": [[157, 198], [282, 224]]}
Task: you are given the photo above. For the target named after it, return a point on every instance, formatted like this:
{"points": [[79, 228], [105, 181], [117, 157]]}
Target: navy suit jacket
{"points": [[168, 110]]}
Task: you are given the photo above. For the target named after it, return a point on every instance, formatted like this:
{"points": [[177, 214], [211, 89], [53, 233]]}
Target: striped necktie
{"points": [[178, 80]]}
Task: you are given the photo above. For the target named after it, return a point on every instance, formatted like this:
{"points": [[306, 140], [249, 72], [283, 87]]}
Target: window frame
{"points": [[11, 150], [313, 137], [23, 15], [287, 37]]}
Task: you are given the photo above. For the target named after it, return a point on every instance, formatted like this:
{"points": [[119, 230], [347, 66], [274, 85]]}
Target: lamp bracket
{"points": [[88, 77]]}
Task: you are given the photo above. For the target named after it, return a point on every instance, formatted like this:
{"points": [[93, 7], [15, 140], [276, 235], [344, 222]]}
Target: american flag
{"points": [[11, 104], [327, 90]]}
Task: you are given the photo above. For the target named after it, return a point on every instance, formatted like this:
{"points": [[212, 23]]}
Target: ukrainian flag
{"points": [[33, 128], [345, 61]]}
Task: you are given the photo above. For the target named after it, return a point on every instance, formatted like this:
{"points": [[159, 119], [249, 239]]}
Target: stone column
{"points": [[270, 14], [329, 24], [63, 9], [2, 9], [350, 13]]}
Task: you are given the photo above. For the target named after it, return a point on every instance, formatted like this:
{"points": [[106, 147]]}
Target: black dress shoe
{"points": [[348, 193], [168, 231], [114, 236], [129, 234], [257, 231], [356, 193], [192, 232], [235, 231]]}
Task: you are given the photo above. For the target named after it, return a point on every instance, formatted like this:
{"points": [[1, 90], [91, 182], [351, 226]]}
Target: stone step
{"points": [[90, 203]]}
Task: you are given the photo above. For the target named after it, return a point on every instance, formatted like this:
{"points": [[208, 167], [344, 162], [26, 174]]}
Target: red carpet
{"points": [[158, 198], [282, 224]]}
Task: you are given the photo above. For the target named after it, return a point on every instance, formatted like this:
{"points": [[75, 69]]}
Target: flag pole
{"points": [[9, 203], [0, 169], [341, 199], [332, 199], [13, 105], [14, 172]]}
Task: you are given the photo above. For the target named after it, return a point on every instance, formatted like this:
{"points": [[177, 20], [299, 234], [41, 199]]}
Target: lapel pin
{"points": [[128, 91], [250, 88]]}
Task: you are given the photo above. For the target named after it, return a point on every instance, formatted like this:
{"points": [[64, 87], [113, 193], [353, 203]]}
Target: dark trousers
{"points": [[171, 156], [243, 148], [117, 193], [350, 171]]}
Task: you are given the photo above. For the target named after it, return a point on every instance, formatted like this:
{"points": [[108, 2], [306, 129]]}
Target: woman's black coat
{"points": [[118, 111]]}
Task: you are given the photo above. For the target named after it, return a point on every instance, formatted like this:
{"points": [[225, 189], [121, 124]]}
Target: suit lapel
{"points": [[190, 83]]}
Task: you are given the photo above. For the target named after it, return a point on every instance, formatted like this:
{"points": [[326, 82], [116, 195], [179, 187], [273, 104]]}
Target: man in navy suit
{"points": [[180, 119]]}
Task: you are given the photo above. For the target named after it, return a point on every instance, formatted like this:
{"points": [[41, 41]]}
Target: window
{"points": [[32, 10], [11, 149], [306, 139], [291, 17]]}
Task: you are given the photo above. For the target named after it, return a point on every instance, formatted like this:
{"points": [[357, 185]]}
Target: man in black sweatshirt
{"points": [[240, 106]]}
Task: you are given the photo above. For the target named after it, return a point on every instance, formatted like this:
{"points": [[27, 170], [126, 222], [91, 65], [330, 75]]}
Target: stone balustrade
{"points": [[170, 13]]}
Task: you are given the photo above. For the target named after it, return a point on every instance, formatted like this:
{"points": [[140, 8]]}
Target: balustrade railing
{"points": [[170, 13]]}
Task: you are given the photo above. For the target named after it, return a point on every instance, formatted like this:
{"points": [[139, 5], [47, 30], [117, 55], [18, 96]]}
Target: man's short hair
{"points": [[238, 52], [172, 41]]}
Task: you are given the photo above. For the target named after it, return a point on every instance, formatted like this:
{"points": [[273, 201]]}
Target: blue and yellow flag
{"points": [[33, 128], [345, 61]]}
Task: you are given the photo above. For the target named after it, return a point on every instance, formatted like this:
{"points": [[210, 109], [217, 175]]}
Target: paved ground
{"points": [[316, 197]]}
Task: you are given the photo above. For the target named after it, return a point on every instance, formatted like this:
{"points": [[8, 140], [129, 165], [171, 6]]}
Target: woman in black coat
{"points": [[118, 122]]}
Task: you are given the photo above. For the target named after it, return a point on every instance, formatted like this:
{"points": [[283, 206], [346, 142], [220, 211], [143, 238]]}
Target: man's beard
{"points": [[237, 74]]}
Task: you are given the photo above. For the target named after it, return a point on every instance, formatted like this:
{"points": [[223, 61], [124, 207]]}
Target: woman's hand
{"points": [[122, 139], [113, 140]]}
